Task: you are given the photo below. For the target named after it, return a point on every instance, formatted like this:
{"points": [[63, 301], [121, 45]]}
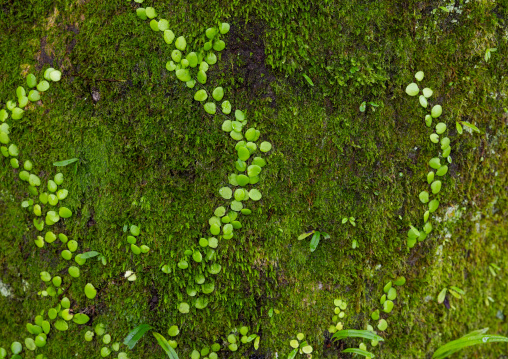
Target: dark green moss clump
{"points": [[149, 155]]}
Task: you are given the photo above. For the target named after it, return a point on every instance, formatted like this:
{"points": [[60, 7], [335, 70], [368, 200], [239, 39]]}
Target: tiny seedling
{"points": [[455, 291], [316, 237], [351, 220], [494, 268], [363, 106], [488, 53]]}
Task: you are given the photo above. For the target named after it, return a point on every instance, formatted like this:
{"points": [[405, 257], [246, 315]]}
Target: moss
{"points": [[149, 155]]}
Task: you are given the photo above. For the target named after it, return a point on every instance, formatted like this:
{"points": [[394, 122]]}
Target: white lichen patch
{"points": [[5, 290]]}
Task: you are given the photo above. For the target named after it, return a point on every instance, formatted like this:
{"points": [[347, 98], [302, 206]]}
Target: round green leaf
{"points": [[387, 306], [440, 128], [412, 89], [81, 318], [61, 325], [428, 120], [244, 154], [211, 32], [210, 108], [197, 256], [392, 294], [253, 170], [254, 194], [55, 76], [43, 86], [226, 107], [224, 28], [183, 75], [150, 12], [176, 55], [105, 352], [141, 13], [170, 66], [236, 206], [34, 95], [17, 113], [202, 77], [442, 170], [192, 57], [436, 111], [218, 93], [210, 58], [200, 95], [307, 349], [436, 186], [265, 146], [74, 271], [424, 196], [226, 192], [427, 92], [180, 43], [90, 291], [219, 45], [423, 101], [183, 308], [169, 36], [64, 212], [240, 194], [382, 325], [31, 80], [213, 242], [173, 331], [435, 163], [154, 25], [433, 205], [163, 25]]}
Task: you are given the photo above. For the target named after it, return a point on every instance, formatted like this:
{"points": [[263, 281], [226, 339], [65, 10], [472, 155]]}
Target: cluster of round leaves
{"points": [[339, 313], [132, 239], [34, 95], [100, 331], [61, 315], [299, 345], [191, 66], [387, 301], [438, 164], [233, 343]]}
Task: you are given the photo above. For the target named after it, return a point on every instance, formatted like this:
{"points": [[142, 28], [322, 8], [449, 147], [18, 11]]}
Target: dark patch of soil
{"points": [[44, 58], [245, 53], [154, 301]]}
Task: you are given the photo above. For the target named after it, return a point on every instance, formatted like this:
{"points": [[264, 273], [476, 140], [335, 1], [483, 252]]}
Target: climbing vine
{"points": [[194, 269]]}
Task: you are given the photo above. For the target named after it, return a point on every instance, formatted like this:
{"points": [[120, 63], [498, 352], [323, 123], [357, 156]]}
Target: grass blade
{"points": [[341, 334], [165, 345], [65, 162], [293, 353], [305, 235], [135, 334], [89, 254], [473, 338], [471, 126], [308, 80], [359, 351]]}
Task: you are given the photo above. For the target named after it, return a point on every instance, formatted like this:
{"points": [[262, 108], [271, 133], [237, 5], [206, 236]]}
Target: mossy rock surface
{"points": [[150, 155]]}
